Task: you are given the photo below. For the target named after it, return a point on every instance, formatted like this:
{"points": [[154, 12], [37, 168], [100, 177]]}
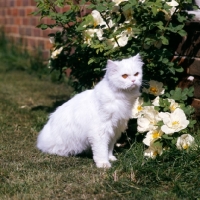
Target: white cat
{"points": [[95, 119]]}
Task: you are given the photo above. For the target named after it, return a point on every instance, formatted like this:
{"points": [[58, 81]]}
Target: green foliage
{"points": [[181, 95], [150, 26]]}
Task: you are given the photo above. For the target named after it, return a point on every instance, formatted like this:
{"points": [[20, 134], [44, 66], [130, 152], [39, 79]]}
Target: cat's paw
{"points": [[112, 158], [103, 164]]}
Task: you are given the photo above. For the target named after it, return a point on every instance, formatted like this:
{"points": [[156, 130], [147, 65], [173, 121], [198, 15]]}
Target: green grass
{"points": [[26, 99]]}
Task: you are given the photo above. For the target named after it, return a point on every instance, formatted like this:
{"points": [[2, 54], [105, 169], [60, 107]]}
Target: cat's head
{"points": [[125, 74]]}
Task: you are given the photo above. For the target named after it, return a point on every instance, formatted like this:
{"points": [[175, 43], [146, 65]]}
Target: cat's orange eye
{"points": [[125, 75], [136, 74]]}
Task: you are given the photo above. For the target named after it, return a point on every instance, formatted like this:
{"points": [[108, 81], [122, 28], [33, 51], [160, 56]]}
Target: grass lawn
{"points": [[26, 173]]}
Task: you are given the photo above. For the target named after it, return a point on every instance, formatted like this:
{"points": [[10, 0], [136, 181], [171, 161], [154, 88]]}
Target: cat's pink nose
{"points": [[133, 81]]}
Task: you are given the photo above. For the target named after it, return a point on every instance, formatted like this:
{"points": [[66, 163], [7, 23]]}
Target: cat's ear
{"points": [[111, 66], [137, 57]]}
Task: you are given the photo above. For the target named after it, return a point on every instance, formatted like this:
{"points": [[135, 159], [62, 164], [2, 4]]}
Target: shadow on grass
{"points": [[49, 109]]}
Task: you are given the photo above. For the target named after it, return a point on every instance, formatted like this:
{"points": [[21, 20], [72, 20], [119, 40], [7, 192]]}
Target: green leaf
{"points": [[127, 7], [165, 60], [164, 40], [179, 69], [172, 70], [182, 33], [91, 61], [181, 18], [43, 26], [157, 144], [167, 137], [97, 69]]}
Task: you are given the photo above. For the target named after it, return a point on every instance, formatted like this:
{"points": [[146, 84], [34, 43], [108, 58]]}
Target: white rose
{"points": [[173, 122], [55, 53], [137, 108], [88, 34], [155, 88], [149, 119], [173, 105], [153, 151], [184, 141], [152, 136]]}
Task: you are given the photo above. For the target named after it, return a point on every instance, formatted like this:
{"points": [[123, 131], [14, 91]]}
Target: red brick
{"points": [[36, 32], [29, 10], [32, 2], [28, 31], [9, 11], [25, 2], [33, 21], [15, 29], [11, 20], [46, 32], [18, 20], [4, 20], [48, 21], [196, 105], [7, 3], [25, 21], [194, 67], [2, 12], [7, 21], [12, 3], [22, 30], [196, 84], [18, 2], [21, 12], [47, 44]]}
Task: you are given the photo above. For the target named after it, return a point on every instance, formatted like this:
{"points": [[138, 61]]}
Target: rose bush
{"points": [[114, 29], [163, 120], [94, 31]]}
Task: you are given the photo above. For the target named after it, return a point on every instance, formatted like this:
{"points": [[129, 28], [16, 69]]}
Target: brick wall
{"points": [[188, 49], [19, 25]]}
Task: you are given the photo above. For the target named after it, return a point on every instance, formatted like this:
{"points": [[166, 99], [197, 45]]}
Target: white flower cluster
{"points": [[100, 25], [157, 125], [102, 22]]}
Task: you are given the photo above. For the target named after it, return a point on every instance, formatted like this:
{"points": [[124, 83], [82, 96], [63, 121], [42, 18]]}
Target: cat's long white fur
{"points": [[95, 118]]}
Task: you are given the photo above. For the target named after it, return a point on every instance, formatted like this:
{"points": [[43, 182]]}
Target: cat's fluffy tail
{"points": [[52, 142], [44, 142], [48, 143]]}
